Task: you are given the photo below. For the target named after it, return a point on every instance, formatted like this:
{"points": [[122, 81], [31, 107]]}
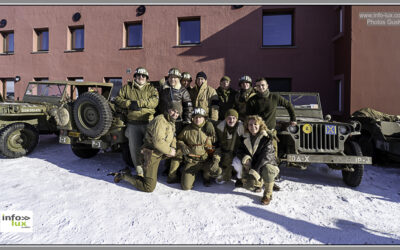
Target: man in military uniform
{"points": [[226, 96], [186, 80], [205, 96], [244, 94], [196, 146], [264, 104], [141, 99], [173, 91], [159, 143], [229, 132]]}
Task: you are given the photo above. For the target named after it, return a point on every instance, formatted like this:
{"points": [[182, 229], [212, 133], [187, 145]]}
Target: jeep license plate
{"points": [[96, 144], [64, 139]]}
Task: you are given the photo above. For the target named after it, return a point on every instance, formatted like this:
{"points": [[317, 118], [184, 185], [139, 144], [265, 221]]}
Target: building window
{"points": [[277, 29], [134, 34], [189, 30], [117, 81], [8, 89], [77, 36], [8, 42], [41, 40], [279, 84], [75, 79], [41, 79]]}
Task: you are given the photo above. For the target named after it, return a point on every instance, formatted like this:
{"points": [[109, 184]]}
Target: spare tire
{"points": [[92, 114]]}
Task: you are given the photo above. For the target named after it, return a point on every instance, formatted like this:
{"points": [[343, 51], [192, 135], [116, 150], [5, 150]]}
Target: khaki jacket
{"points": [[193, 137], [241, 99], [160, 136], [205, 97], [146, 97], [226, 142]]}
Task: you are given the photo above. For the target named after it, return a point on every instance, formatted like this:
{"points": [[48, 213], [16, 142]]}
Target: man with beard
{"points": [[159, 143], [229, 132]]}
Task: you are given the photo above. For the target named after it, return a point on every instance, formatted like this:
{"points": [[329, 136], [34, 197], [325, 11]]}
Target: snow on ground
{"points": [[75, 202]]}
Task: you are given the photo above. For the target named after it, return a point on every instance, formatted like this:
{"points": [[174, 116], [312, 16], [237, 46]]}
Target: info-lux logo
{"points": [[16, 221]]}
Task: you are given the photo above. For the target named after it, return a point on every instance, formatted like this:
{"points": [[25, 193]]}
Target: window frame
{"points": [[72, 31], [277, 12], [126, 37], [5, 42], [185, 19], [39, 39]]}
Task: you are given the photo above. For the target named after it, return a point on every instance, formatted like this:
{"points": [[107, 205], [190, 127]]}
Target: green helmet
{"points": [[199, 111], [245, 78], [186, 76], [174, 72], [141, 71]]}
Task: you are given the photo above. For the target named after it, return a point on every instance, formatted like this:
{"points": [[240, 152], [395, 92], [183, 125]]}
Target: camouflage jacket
{"points": [[241, 99], [226, 101], [146, 97], [261, 152], [205, 97], [160, 135]]}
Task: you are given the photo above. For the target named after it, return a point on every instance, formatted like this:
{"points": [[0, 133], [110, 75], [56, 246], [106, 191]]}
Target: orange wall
{"points": [[375, 77]]}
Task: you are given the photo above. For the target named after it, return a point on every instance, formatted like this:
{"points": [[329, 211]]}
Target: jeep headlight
{"points": [[344, 130], [293, 129]]}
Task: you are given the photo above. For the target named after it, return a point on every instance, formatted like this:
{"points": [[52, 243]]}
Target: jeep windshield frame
{"points": [[305, 104]]}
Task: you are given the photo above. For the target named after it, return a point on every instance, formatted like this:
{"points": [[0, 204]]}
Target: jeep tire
{"points": [[84, 150], [353, 179], [92, 114], [18, 139]]}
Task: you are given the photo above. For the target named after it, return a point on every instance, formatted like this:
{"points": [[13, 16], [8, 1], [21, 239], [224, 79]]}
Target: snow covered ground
{"points": [[75, 202]]}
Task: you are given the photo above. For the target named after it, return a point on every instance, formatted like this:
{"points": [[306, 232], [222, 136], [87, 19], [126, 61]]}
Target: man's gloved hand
{"points": [[134, 106], [184, 148]]}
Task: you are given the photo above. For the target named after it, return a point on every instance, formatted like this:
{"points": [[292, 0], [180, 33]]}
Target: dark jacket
{"points": [[241, 99], [261, 152], [180, 96], [226, 101], [265, 105]]}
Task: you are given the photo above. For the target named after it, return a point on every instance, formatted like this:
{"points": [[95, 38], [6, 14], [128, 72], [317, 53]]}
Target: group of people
{"points": [[219, 133]]}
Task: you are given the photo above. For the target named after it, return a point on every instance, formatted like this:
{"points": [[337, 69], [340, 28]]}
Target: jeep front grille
{"points": [[318, 140]]}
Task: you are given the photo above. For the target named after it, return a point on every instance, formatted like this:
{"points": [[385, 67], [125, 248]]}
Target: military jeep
{"points": [[318, 140], [21, 122], [95, 123], [380, 135]]}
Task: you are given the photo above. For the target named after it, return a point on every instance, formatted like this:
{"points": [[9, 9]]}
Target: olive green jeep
{"points": [[318, 140], [21, 122], [95, 123]]}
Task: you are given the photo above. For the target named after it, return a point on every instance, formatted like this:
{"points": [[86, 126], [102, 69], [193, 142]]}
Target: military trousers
{"points": [[148, 182], [191, 169], [226, 165], [135, 134]]}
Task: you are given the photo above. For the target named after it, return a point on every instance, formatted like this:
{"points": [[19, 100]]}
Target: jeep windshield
{"points": [[45, 90], [306, 106]]}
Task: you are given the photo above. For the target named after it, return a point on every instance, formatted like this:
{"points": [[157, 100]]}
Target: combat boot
{"points": [[239, 183], [117, 177], [267, 197], [276, 187]]}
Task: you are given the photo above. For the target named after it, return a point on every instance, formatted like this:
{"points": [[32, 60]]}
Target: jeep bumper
{"points": [[331, 159]]}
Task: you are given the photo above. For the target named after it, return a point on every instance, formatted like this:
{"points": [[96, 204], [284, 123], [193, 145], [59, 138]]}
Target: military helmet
{"points": [[174, 72], [199, 111], [245, 78], [141, 71], [186, 76]]}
